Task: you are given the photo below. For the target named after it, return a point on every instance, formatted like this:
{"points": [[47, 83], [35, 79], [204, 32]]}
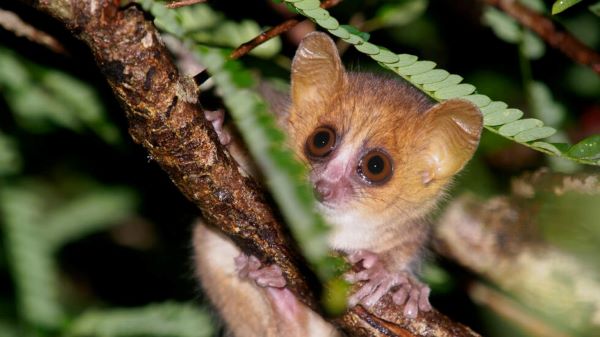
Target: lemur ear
{"points": [[455, 128], [317, 71]]}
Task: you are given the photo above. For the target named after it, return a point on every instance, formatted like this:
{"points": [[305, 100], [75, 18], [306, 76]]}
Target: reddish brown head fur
{"points": [[428, 143]]}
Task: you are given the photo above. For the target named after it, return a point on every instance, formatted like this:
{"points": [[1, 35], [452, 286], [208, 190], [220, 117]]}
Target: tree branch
{"points": [[499, 241], [12, 22], [281, 28], [550, 33], [165, 116]]}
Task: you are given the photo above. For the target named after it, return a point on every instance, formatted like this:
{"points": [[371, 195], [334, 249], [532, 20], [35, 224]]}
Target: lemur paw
{"points": [[249, 267], [217, 118], [409, 292]]}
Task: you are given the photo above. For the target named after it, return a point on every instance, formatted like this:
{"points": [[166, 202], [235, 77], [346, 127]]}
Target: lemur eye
{"points": [[321, 142], [375, 167]]}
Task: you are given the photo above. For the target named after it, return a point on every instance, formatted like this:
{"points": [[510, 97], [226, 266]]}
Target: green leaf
{"points": [[479, 100], [502, 117], [493, 107], [534, 134], [416, 68], [164, 319], [589, 148], [367, 48], [355, 31], [562, 5], [451, 80], [459, 90], [404, 60], [328, 23], [317, 14], [496, 114], [88, 212], [550, 147], [433, 76], [307, 4], [385, 56], [340, 32], [513, 128]]}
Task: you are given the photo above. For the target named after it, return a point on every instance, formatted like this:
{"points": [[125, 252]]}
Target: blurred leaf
{"points": [[33, 270], [204, 25], [285, 176], [543, 105], [13, 73], [532, 46], [37, 218], [570, 220], [81, 103], [588, 148], [562, 5], [399, 13], [503, 25], [595, 8], [10, 158], [9, 329], [43, 98], [164, 320], [88, 212]]}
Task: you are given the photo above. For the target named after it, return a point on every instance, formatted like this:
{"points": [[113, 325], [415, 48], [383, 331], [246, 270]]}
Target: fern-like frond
{"points": [[161, 320], [31, 259], [441, 85], [285, 176]]}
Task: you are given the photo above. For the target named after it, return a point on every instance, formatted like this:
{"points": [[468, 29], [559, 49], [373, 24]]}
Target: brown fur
{"points": [[428, 143]]}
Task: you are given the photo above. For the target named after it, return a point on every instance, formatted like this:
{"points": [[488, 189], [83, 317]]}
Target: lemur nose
{"points": [[323, 190]]}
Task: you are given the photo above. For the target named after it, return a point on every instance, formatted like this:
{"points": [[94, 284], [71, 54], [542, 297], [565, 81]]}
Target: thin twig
{"points": [[183, 3], [275, 31], [12, 22], [550, 32]]}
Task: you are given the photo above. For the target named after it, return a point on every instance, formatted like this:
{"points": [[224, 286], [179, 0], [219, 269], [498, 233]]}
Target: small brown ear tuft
{"points": [[317, 71], [455, 126]]}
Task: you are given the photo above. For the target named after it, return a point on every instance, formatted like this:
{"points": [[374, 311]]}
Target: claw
{"points": [[411, 294], [250, 267]]}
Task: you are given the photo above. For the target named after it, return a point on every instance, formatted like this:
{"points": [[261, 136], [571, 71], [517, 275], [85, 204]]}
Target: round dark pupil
{"points": [[375, 164], [321, 139]]}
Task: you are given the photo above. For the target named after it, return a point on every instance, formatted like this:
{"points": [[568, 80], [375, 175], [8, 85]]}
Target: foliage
{"points": [[56, 121], [441, 85], [165, 319], [285, 176], [562, 5], [41, 213]]}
